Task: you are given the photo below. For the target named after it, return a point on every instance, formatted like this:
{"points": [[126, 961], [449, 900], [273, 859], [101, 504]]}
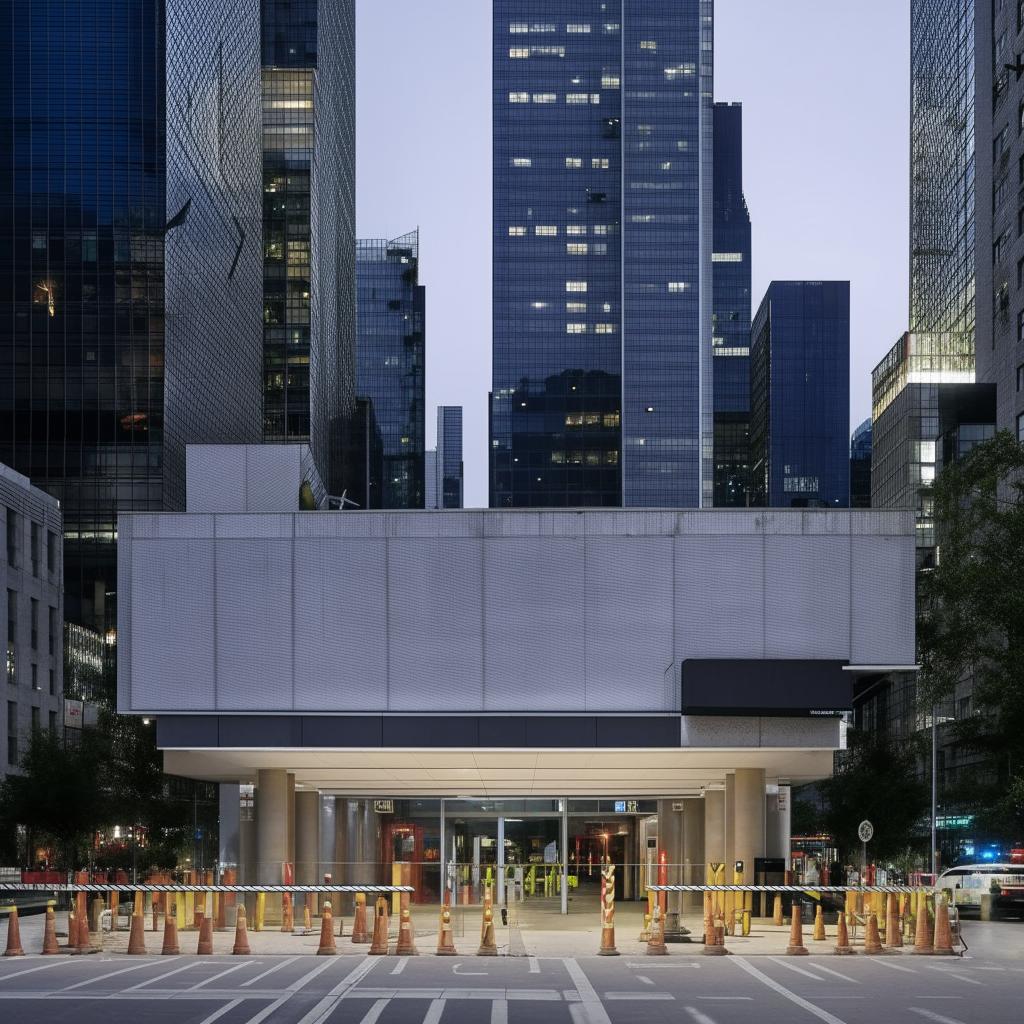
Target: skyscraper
{"points": [[391, 360], [800, 396], [82, 273], [449, 456], [308, 82], [730, 325], [860, 466], [603, 130]]}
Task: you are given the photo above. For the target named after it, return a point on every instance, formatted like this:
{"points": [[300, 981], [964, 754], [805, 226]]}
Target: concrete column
{"points": [[777, 824], [749, 818], [693, 850], [342, 838], [714, 826], [291, 818], [307, 836], [271, 832], [730, 825], [327, 832], [670, 839], [229, 852]]}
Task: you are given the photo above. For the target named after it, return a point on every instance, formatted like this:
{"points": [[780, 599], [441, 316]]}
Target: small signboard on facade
{"points": [[384, 806]]}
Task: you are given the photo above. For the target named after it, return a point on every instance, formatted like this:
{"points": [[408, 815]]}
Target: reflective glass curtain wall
{"points": [[730, 322], [602, 191], [800, 396], [449, 456], [82, 271], [308, 53], [391, 360]]}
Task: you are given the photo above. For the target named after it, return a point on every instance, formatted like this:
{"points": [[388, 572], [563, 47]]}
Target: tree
{"points": [[878, 781], [971, 620]]}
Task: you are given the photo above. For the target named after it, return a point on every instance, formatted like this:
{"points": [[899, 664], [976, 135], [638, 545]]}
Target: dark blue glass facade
{"points": [[730, 323], [308, 84], [602, 129], [82, 270], [800, 396], [449, 456], [860, 466], [391, 360]]}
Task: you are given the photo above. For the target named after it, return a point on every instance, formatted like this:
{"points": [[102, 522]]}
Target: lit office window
{"points": [[546, 230], [575, 286]]}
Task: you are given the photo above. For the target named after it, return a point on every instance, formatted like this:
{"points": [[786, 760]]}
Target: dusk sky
{"points": [[825, 91]]}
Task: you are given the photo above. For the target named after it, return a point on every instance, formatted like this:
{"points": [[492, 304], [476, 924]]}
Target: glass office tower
{"points": [[449, 456], [800, 396], [391, 360], [602, 253], [860, 466], [82, 273], [308, 86], [730, 324]]}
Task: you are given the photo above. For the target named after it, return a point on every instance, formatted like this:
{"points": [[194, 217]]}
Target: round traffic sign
{"points": [[865, 830]]}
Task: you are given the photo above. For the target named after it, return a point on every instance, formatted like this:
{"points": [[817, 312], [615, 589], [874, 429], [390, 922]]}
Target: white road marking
{"points": [[895, 967], [775, 986], [744, 999], [625, 996], [161, 977], [217, 1014], [214, 977], [270, 970], [589, 1007], [109, 974], [700, 1018], [795, 969], [534, 965], [954, 974], [644, 979], [931, 1015], [434, 1012], [374, 1012], [499, 1011], [837, 974], [41, 967], [327, 1004], [400, 966], [466, 974]]}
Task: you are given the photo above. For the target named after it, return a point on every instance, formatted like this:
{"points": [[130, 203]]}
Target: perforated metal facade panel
{"points": [[518, 612]]}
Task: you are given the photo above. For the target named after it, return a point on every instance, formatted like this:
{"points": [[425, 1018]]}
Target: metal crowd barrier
{"points": [[172, 887]]}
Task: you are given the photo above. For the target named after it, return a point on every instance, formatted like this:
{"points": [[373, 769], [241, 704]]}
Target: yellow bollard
{"points": [[261, 906], [179, 911], [190, 910], [819, 924]]}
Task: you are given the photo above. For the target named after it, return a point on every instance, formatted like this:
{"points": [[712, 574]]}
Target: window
{"points": [[1020, 428], [576, 248], [1020, 272], [575, 286], [52, 688], [12, 616], [575, 328], [546, 230], [648, 44], [577, 29], [53, 721], [575, 307], [517, 52], [519, 97], [677, 286], [999, 248], [51, 552], [51, 636], [1020, 325], [518, 27], [516, 231], [35, 719], [12, 732], [576, 229], [522, 161], [573, 161], [999, 143], [599, 163], [544, 97], [999, 192], [36, 548], [34, 623], [604, 328], [609, 81], [35, 676], [12, 538], [577, 97]]}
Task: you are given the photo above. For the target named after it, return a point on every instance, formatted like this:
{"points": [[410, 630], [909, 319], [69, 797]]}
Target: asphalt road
{"points": [[470, 990]]}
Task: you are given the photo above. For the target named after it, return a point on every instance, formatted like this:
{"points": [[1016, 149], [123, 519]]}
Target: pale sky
{"points": [[825, 91]]}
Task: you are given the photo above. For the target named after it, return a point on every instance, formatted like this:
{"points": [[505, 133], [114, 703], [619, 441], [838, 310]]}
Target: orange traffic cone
{"points": [[943, 935], [137, 936], [777, 918], [843, 947], [205, 946], [712, 946], [241, 946], [872, 943], [488, 945], [656, 943], [379, 945], [327, 943], [307, 920], [50, 944], [893, 924], [359, 931], [287, 913], [445, 940], [170, 946], [796, 945], [922, 933], [406, 941], [13, 935], [819, 924]]}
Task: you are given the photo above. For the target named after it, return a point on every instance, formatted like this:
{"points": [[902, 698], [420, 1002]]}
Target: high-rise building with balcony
{"points": [[391, 360], [308, 85], [800, 396], [730, 324], [602, 238]]}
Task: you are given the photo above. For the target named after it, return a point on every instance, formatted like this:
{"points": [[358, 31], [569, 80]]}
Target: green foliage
{"points": [[876, 781]]}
